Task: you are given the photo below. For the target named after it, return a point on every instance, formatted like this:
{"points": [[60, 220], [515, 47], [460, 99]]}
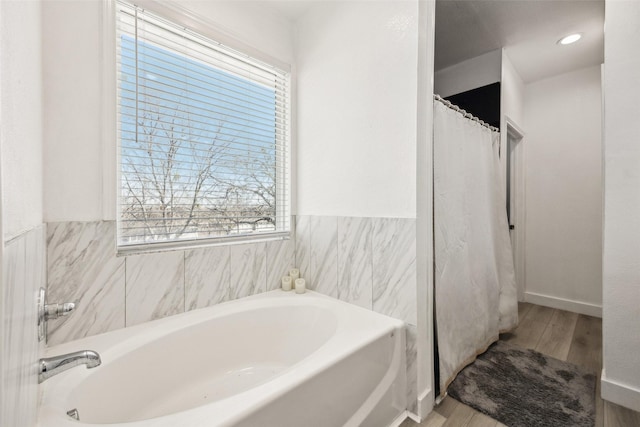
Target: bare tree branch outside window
{"points": [[198, 157]]}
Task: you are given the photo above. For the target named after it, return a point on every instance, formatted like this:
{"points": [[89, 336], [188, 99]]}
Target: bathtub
{"points": [[275, 359]]}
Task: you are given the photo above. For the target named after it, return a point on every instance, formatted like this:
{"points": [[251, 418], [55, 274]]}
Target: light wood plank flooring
{"points": [[573, 337]]}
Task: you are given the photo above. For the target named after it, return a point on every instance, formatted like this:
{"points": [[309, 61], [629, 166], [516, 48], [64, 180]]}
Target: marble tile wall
{"points": [[303, 247], [248, 270], [370, 262], [207, 272], [323, 257], [355, 263], [82, 267], [23, 275], [394, 268], [154, 286], [114, 292], [412, 368]]}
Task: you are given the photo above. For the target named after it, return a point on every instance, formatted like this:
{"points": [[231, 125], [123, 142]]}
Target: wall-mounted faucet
{"points": [[51, 366], [50, 311]]}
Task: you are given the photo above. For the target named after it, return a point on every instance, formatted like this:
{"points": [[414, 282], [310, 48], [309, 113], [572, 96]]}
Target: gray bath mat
{"points": [[524, 388]]}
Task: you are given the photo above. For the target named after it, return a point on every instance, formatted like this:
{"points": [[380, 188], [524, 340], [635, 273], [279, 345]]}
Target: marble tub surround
{"points": [[323, 259], [280, 259], [248, 270], [155, 286], [412, 368], [208, 271], [23, 275], [113, 292], [82, 267], [370, 262], [206, 276], [303, 245], [394, 268], [334, 256], [355, 261]]}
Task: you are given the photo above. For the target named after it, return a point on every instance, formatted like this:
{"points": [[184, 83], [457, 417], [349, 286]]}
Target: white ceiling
{"points": [[527, 29]]}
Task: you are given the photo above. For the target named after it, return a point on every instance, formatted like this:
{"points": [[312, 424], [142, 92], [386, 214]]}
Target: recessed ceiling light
{"points": [[571, 38]]}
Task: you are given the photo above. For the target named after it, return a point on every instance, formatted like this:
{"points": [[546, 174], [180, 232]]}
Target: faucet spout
{"points": [[54, 365]]}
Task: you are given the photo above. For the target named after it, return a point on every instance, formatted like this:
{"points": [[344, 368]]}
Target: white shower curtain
{"points": [[475, 291]]}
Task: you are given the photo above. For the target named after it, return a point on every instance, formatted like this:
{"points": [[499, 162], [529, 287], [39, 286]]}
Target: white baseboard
{"points": [[564, 304], [400, 419], [425, 405], [620, 394], [413, 416]]}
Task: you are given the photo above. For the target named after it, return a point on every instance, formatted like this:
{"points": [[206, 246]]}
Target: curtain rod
{"points": [[464, 113]]}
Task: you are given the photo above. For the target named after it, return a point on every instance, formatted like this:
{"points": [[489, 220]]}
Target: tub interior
{"points": [[201, 364]]}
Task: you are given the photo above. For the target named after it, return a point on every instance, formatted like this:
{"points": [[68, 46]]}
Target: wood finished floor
{"points": [[573, 337]]}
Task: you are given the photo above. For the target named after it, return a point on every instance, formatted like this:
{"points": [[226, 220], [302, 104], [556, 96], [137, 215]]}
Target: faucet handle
{"points": [[53, 311], [48, 311]]}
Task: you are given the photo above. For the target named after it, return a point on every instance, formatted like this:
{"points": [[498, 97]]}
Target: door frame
{"points": [[518, 212]]}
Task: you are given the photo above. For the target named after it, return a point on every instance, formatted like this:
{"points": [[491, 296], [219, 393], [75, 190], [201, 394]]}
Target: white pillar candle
{"points": [[286, 283], [300, 286], [294, 273]]}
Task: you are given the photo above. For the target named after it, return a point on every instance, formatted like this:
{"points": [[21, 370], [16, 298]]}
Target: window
{"points": [[203, 136]]}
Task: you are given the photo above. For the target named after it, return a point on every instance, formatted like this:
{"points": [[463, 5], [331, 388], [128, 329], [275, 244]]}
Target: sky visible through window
{"points": [[198, 148]]}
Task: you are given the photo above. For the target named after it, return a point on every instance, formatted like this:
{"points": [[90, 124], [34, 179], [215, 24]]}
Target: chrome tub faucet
{"points": [[51, 366]]}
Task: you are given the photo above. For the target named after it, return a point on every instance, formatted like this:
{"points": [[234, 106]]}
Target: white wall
{"points": [[72, 124], [512, 91], [21, 117], [621, 268], [259, 26], [357, 91], [73, 77], [564, 191], [470, 74]]}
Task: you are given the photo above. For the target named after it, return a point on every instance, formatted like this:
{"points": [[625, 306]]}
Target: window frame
{"points": [[111, 151]]}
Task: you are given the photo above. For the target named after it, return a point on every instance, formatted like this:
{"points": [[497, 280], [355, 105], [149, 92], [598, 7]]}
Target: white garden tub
{"points": [[276, 359]]}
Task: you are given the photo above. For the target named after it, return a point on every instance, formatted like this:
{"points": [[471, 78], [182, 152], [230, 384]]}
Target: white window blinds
{"points": [[203, 137]]}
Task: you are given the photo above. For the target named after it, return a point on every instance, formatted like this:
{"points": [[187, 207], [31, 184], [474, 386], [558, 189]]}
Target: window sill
{"points": [[184, 245]]}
